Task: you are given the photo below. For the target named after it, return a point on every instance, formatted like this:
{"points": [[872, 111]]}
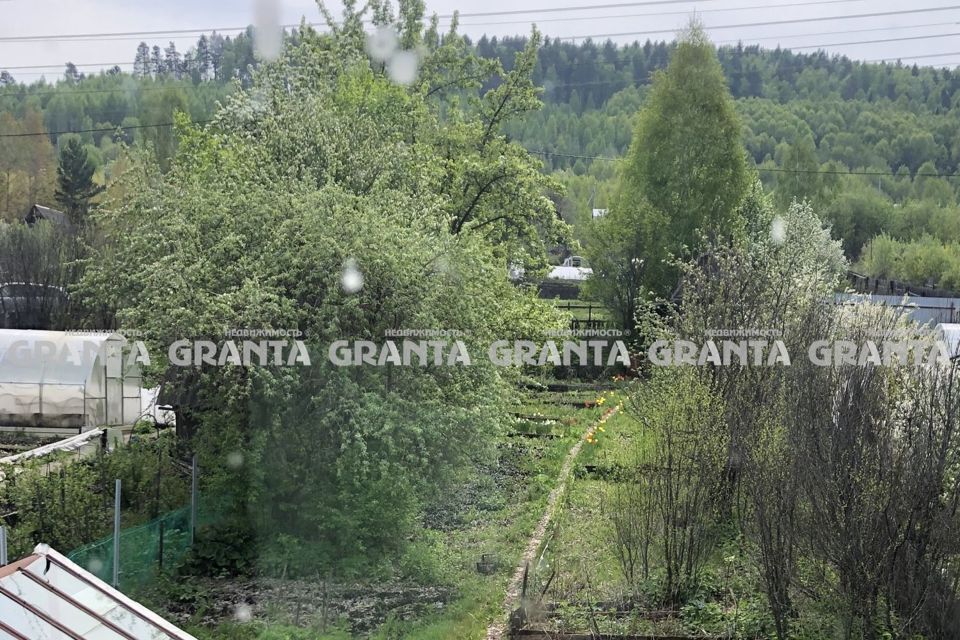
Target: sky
{"points": [[929, 34]]}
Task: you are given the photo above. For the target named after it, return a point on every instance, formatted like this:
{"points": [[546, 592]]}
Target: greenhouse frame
{"points": [[63, 382]]}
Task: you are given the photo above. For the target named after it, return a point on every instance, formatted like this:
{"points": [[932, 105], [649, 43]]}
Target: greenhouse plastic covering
{"points": [[45, 596], [66, 381]]}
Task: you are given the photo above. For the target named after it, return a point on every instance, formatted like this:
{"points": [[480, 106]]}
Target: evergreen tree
{"points": [[75, 185], [203, 57], [156, 61], [172, 62], [141, 62], [71, 74]]}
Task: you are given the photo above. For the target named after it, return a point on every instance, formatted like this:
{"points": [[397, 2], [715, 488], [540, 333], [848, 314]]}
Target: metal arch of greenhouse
{"points": [[54, 382]]}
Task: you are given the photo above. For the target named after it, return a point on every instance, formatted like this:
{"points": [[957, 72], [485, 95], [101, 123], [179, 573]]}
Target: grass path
{"points": [[498, 630]]}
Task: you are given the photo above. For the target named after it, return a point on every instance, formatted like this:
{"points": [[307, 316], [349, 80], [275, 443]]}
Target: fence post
{"points": [[193, 499], [160, 551], [116, 535], [3, 546]]}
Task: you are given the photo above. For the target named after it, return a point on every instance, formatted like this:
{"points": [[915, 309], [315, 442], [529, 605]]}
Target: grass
{"points": [[584, 571], [505, 534]]}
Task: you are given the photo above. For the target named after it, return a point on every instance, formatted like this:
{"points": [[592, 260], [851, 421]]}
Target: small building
{"points": [[62, 383], [574, 269], [45, 595], [39, 212], [599, 213]]}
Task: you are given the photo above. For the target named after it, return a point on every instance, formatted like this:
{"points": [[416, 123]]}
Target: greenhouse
{"points": [[60, 382]]}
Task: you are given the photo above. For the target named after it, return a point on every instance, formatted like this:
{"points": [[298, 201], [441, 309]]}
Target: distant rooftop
{"points": [[39, 212]]}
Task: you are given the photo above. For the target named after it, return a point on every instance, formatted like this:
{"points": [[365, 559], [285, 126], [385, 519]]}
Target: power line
{"points": [[160, 32], [64, 64], [848, 44], [610, 35], [204, 30], [662, 13], [848, 172], [69, 92], [928, 55], [792, 47], [834, 33], [99, 130], [768, 23], [620, 5]]}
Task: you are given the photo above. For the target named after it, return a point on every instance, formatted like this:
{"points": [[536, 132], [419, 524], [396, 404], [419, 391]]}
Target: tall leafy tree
{"points": [[75, 185], [686, 160]]}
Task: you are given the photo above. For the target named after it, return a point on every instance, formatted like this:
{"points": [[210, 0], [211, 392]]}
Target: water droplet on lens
{"points": [[402, 67], [382, 43], [351, 279]]}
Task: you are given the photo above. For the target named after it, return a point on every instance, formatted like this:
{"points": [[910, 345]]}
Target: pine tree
{"points": [[71, 74], [75, 185], [172, 62], [141, 62], [156, 61], [203, 57]]}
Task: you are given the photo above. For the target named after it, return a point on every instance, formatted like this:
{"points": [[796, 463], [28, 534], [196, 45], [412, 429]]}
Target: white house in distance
{"points": [[45, 596], [574, 269], [599, 213]]}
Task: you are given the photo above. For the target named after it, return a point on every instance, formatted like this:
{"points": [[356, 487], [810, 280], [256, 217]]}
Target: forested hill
{"points": [[809, 121], [592, 72], [863, 115]]}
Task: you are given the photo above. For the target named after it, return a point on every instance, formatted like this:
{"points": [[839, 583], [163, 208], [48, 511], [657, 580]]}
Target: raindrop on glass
{"points": [[351, 279], [778, 230], [382, 43], [242, 613], [235, 460], [267, 34], [402, 67]]}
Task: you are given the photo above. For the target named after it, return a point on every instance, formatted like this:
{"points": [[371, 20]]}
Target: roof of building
{"points": [[46, 213], [45, 596]]}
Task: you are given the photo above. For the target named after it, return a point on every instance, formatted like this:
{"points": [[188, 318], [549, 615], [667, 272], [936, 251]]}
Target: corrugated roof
{"points": [[45, 596]]}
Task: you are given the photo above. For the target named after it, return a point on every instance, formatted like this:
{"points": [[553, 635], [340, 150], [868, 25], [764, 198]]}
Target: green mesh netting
{"points": [[142, 552]]}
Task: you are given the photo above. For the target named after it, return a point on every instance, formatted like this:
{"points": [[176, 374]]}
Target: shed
{"points": [[39, 212], [45, 595], [62, 382]]}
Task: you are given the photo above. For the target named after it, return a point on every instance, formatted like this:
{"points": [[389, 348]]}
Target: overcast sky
{"points": [[929, 32]]}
